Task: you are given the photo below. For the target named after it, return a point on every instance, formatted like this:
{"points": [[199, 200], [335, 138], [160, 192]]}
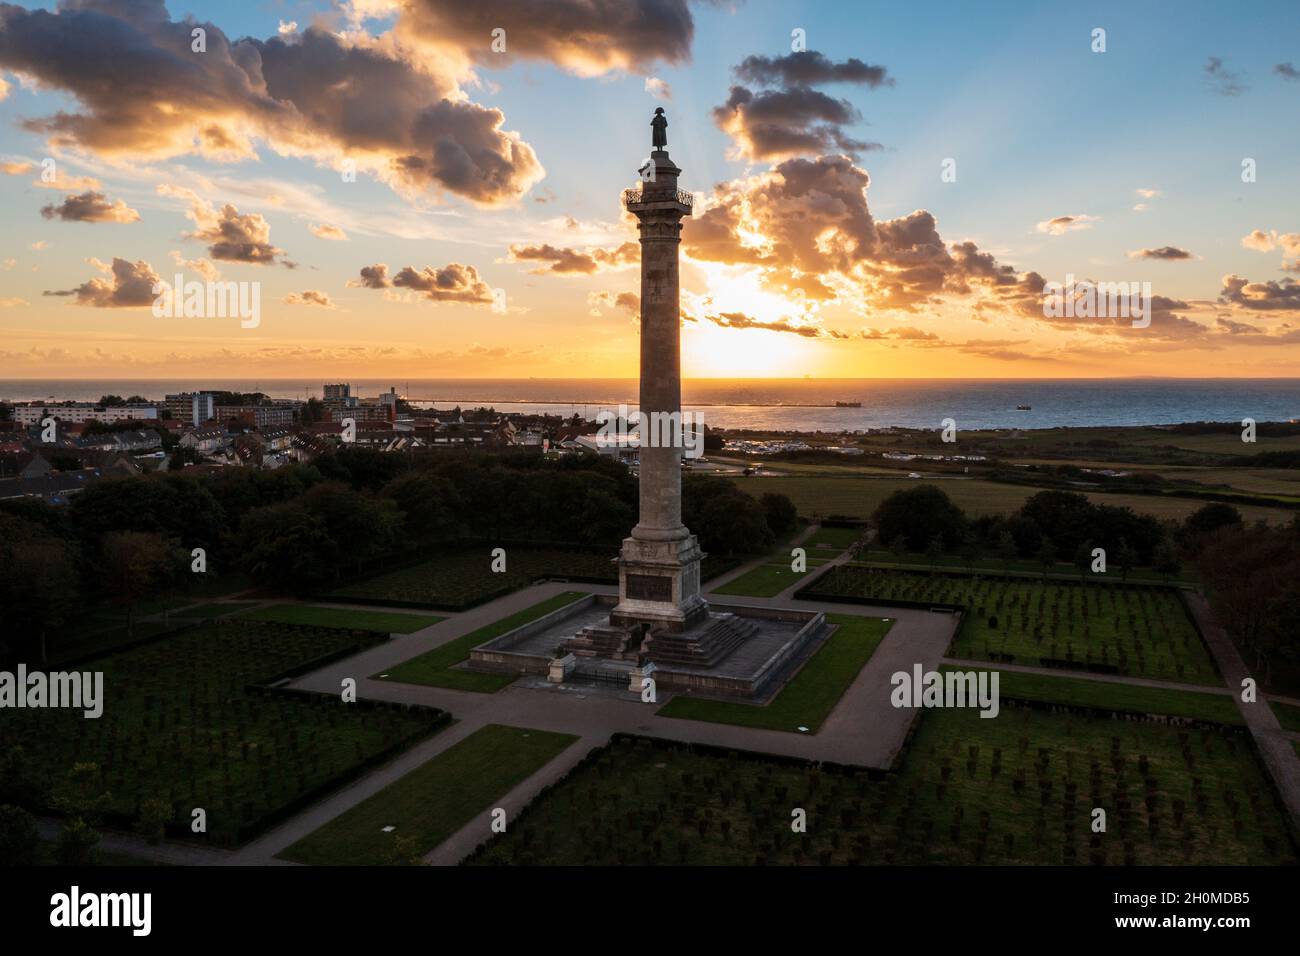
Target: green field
{"points": [[1124, 698], [806, 700], [766, 580], [205, 611], [433, 801], [1016, 790], [386, 622], [836, 539], [1138, 630], [435, 668], [181, 724], [917, 561], [464, 579], [1287, 715], [852, 497]]}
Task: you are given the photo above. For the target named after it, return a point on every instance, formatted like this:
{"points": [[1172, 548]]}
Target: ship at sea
{"points": [[1024, 408], [848, 404]]}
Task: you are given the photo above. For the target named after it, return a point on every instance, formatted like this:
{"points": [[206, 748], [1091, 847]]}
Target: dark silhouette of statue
{"points": [[660, 126]]}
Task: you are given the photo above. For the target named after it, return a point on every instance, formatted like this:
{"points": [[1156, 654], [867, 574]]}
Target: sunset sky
{"points": [[825, 240]]}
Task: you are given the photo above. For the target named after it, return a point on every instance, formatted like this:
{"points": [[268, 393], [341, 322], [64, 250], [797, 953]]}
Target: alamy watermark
{"points": [[1082, 299], [628, 429], [933, 689], [83, 691], [209, 299]]}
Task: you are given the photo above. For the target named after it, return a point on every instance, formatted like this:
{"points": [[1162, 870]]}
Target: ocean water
{"points": [[793, 404]]}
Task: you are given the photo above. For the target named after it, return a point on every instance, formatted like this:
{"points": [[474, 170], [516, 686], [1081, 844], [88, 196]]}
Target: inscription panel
{"points": [[649, 587]]}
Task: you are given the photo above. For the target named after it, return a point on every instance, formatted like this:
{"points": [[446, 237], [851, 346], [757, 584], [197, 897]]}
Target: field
{"points": [[436, 668], [921, 561], [1141, 631], [1019, 789], [433, 801], [385, 622], [811, 695], [182, 724], [1123, 698], [858, 497], [464, 579], [766, 580]]}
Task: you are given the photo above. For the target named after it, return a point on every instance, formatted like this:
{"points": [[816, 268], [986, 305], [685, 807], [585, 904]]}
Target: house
{"points": [[206, 441]]}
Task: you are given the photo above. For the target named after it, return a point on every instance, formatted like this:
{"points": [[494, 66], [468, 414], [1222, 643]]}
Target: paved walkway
{"points": [[1274, 743]]}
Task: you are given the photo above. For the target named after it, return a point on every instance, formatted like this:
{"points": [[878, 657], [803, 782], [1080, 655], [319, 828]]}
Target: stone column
{"points": [[659, 578]]}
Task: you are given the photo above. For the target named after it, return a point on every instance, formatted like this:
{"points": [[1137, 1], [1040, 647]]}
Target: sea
{"points": [[805, 404]]}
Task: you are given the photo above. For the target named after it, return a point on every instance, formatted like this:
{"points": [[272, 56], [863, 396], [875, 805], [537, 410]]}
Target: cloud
{"points": [[1166, 253], [775, 124], [126, 285], [286, 28], [1287, 71], [201, 266], [16, 168], [658, 88], [452, 283], [1261, 241], [90, 207], [325, 230], [328, 97], [309, 297], [565, 260], [808, 68], [232, 236], [587, 37], [1060, 225], [1222, 80], [628, 302], [1271, 296], [1147, 193]]}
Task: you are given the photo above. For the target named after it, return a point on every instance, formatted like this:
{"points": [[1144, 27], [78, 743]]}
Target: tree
{"points": [[1007, 549], [133, 564], [431, 506], [1126, 558], [781, 513], [20, 841], [971, 549], [934, 551], [1207, 520], [1083, 558], [1166, 559], [155, 813], [1047, 555], [38, 586], [919, 514], [82, 801]]}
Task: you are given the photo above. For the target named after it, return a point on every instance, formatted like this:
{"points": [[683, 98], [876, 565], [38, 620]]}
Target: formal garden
{"points": [[1135, 630], [411, 816], [188, 723], [1019, 789]]}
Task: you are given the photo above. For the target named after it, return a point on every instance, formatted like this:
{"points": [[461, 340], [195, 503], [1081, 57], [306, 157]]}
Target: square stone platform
{"points": [[771, 638]]}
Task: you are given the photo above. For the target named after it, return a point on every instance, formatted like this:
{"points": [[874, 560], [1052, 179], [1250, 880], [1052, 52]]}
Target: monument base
{"points": [[659, 584]]}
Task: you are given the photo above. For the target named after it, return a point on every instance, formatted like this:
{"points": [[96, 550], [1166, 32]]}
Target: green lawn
{"points": [[387, 622], [1126, 698], [1138, 630], [1017, 790], [205, 611], [435, 668], [811, 695], [1288, 715], [433, 801], [766, 580], [917, 561], [835, 538]]}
